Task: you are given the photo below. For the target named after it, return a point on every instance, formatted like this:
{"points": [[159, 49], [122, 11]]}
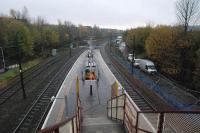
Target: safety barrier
{"points": [[135, 121], [70, 125]]}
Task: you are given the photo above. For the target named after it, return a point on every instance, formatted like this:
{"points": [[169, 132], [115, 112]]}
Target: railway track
{"points": [[167, 89], [28, 76], [140, 100], [142, 96], [26, 73], [35, 115]]}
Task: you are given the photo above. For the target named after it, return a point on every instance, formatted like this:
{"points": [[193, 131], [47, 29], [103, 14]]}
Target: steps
{"points": [[101, 125], [98, 121]]}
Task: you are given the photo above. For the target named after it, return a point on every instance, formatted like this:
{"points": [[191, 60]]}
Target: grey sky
{"points": [[119, 14]]}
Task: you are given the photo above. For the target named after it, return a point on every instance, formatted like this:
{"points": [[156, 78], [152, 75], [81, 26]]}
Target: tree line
{"points": [[174, 49], [36, 37]]}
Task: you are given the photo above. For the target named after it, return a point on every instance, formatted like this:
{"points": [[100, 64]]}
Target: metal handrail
{"points": [[56, 126], [160, 111], [135, 126], [125, 94], [130, 122], [115, 97], [173, 111]]}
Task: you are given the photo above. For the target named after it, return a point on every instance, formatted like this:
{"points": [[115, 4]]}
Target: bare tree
{"points": [[25, 15], [40, 21], [13, 13], [188, 12]]}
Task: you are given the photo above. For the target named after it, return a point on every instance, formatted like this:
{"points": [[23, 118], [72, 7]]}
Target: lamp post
{"points": [[133, 52], [4, 66], [19, 61], [133, 60], [110, 40], [20, 66]]}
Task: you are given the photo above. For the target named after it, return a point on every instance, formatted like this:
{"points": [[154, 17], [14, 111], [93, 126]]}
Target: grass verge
{"points": [[13, 72]]}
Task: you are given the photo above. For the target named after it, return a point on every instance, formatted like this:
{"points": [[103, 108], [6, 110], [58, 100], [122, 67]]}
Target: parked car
{"points": [[130, 57], [147, 66], [136, 61]]}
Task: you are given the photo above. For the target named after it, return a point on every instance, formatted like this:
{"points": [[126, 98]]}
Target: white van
{"points": [[147, 66], [136, 62]]}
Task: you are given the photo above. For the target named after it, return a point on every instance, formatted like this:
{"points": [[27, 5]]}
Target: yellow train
{"points": [[90, 71]]}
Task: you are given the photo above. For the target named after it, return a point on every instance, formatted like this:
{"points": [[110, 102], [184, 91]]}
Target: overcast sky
{"points": [[119, 14]]}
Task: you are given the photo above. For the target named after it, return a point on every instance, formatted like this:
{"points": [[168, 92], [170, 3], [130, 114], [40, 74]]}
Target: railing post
{"points": [[136, 124], [56, 130], [111, 109], [72, 125], [107, 107], [116, 106], [160, 123], [78, 121], [79, 113], [124, 108], [76, 124]]}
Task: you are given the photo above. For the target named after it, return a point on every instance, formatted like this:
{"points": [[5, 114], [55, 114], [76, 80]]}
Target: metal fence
{"points": [[135, 121]]}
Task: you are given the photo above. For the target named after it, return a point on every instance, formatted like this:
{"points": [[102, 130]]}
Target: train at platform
{"points": [[90, 70]]}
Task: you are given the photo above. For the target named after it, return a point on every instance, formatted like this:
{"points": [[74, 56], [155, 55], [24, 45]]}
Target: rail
{"points": [[135, 83], [30, 74], [69, 125], [32, 118], [122, 108]]}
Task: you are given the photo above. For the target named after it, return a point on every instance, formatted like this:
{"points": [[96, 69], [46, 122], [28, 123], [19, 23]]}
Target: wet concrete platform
{"points": [[94, 107]]}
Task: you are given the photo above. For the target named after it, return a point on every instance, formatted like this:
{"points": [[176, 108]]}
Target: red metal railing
{"points": [[72, 124], [136, 120]]}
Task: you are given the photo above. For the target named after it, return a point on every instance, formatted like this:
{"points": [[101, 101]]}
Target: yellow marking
{"points": [[116, 87]]}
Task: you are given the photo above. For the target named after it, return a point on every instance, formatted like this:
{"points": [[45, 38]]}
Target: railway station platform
{"points": [[75, 109], [94, 107]]}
